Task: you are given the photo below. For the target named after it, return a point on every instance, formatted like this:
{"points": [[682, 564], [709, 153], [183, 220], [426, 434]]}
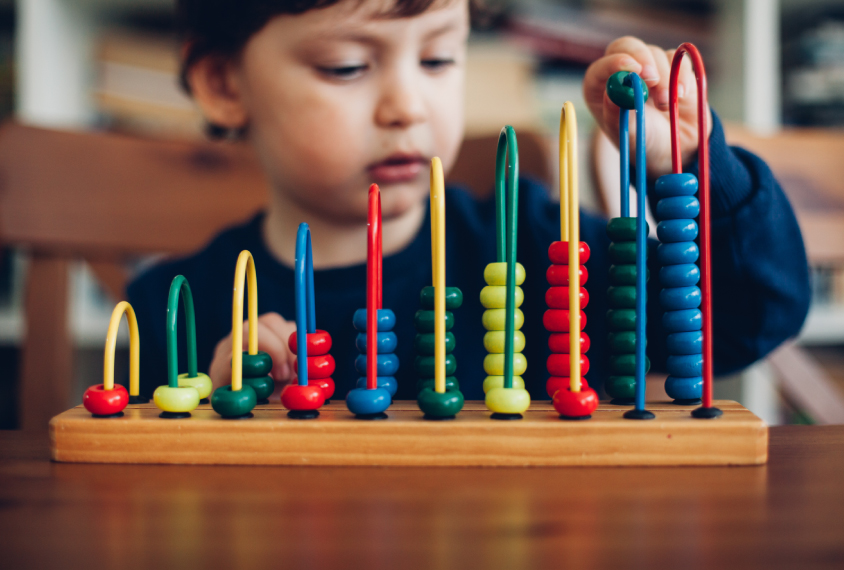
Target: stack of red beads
{"points": [[320, 364]]}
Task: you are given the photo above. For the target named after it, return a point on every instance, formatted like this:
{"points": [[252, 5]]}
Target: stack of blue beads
{"points": [[388, 362], [679, 275]]}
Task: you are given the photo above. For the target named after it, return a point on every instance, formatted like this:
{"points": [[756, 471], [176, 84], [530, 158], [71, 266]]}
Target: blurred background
{"points": [[98, 134]]}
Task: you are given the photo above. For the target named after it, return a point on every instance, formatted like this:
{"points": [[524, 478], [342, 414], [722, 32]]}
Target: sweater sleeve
{"points": [[760, 275]]}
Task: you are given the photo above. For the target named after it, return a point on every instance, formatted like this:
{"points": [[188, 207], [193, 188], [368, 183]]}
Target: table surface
{"points": [[786, 514]]}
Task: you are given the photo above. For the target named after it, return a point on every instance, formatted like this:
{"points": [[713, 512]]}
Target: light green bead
{"points": [[494, 341], [495, 296], [494, 364], [493, 319], [176, 399], [491, 382], [496, 273], [508, 401], [201, 382]]}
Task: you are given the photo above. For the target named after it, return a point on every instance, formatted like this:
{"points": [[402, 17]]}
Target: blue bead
{"points": [[677, 253], [386, 320], [388, 364], [684, 388], [683, 275], [363, 401], [678, 208], [682, 321], [684, 184], [676, 230], [387, 382], [387, 342], [677, 298], [685, 365], [685, 343]]}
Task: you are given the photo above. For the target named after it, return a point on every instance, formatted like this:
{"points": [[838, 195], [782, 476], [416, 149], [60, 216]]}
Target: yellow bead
{"points": [[496, 273], [493, 319], [202, 383], [491, 382], [508, 401], [495, 296], [176, 399], [494, 364], [494, 341]]}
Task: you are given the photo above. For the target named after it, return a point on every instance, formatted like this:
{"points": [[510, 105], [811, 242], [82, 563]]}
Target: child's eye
{"points": [[344, 72], [437, 63]]}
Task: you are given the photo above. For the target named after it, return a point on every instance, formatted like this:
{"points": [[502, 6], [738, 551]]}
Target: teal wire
{"points": [[507, 162], [177, 286]]}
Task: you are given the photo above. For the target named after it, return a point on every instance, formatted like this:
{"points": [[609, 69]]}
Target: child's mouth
{"points": [[397, 168]]}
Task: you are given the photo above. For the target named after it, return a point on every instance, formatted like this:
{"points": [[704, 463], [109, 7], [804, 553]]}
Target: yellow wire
{"points": [[134, 348], [438, 261], [568, 173], [244, 271]]}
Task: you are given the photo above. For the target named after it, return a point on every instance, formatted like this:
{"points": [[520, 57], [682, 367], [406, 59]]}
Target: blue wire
{"points": [[304, 287], [624, 151]]}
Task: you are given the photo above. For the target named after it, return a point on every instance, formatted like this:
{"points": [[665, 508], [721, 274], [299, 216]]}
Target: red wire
{"points": [[703, 177], [373, 285], [379, 287]]}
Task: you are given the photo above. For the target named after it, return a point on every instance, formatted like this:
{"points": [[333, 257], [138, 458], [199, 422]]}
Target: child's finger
{"points": [[282, 330], [639, 51], [595, 81], [659, 92]]}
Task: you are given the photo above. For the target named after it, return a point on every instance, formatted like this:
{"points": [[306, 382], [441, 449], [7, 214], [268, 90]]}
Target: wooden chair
{"points": [[108, 198]]}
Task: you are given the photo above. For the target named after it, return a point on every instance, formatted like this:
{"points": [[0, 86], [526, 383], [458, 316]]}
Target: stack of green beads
{"points": [[256, 370], [425, 362], [494, 298], [621, 296]]}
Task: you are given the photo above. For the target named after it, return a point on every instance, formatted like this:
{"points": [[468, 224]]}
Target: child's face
{"points": [[342, 97]]}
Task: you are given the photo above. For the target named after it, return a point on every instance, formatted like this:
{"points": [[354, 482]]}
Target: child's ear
{"points": [[214, 86]]}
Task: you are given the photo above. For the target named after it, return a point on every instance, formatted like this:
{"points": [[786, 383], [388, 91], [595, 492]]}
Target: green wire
{"points": [[507, 174], [180, 285]]}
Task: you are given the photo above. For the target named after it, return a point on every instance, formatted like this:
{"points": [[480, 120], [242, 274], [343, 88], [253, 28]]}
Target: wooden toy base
{"points": [[405, 438]]}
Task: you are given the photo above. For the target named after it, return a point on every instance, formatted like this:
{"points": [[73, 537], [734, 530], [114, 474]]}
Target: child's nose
{"points": [[401, 103]]}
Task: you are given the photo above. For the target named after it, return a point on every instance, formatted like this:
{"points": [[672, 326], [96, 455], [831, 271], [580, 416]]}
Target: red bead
{"points": [[575, 404], [558, 298], [557, 320], [324, 384], [295, 397], [559, 343], [317, 343], [559, 365], [558, 253], [318, 366], [102, 402], [555, 383], [558, 275]]}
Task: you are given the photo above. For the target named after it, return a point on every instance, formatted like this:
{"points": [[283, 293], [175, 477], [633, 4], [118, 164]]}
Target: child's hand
{"points": [[273, 332], [654, 67]]}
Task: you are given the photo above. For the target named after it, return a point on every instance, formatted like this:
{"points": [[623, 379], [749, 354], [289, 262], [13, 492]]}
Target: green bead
{"points": [[623, 229], [453, 298], [425, 366], [623, 252], [621, 94], [423, 320], [623, 297], [625, 274], [625, 364], [231, 404], [255, 365], [424, 344], [438, 405], [622, 342], [621, 319], [451, 383], [263, 386], [620, 386]]}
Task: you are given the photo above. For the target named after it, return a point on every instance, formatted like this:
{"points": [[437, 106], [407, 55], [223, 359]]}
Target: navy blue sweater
{"points": [[760, 282]]}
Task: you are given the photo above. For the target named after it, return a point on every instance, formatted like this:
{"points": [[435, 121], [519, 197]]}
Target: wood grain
{"points": [[472, 439]]}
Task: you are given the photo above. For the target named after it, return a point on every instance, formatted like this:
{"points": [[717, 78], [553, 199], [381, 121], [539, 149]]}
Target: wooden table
{"points": [[787, 514]]}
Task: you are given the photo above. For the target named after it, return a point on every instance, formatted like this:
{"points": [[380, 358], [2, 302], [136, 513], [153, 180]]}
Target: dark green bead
{"points": [[623, 229], [439, 405], [621, 319], [453, 298], [620, 387], [424, 321], [622, 342], [255, 365], [451, 383], [623, 95], [625, 364], [623, 297], [625, 274], [263, 386], [425, 366], [231, 404], [424, 344], [624, 252]]}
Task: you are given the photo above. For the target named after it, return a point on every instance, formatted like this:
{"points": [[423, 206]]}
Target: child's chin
{"points": [[399, 200]]}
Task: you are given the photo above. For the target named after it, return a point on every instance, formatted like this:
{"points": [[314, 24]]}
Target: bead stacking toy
{"points": [[627, 315], [374, 392], [108, 400], [237, 400], [304, 398], [572, 397], [439, 396], [689, 340], [505, 390]]}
